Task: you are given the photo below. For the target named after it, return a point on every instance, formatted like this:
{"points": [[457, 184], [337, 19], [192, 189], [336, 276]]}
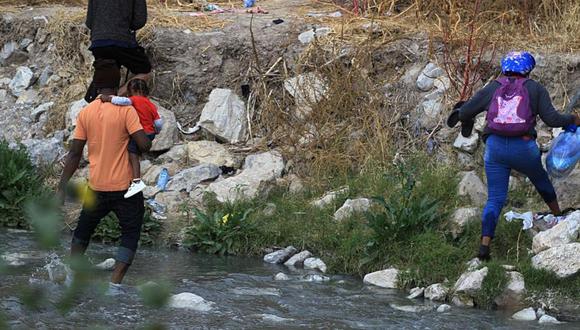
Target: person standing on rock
{"points": [[512, 102], [106, 129], [113, 25]]}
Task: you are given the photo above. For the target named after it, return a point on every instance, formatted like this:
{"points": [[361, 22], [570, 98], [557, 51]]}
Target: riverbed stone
{"points": [[462, 300], [298, 259], [527, 314], [513, 293], [443, 308], [472, 186], [470, 282], [330, 197], [461, 218], [411, 308], [188, 300], [280, 256], [315, 278], [21, 80], [315, 263], [351, 207], [224, 115], [547, 319], [211, 152], [564, 260], [307, 90], [467, 144], [436, 292], [189, 178], [564, 232], [426, 79], [169, 135], [387, 278], [416, 293], [259, 172], [108, 264], [281, 277]]}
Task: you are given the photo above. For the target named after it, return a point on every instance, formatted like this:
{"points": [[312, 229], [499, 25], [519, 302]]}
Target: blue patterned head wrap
{"points": [[518, 62]]}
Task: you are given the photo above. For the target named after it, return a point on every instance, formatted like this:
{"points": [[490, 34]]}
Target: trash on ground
{"points": [[157, 208], [527, 217], [163, 179]]}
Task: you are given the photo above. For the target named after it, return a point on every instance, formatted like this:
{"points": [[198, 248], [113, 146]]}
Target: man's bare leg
{"points": [[119, 272]]}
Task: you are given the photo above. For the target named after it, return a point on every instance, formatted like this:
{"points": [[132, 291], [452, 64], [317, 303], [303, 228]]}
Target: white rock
{"points": [[3, 95], [224, 115], [177, 154], [547, 319], [280, 256], [73, 112], [44, 78], [308, 36], [416, 293], [307, 90], [528, 314], [387, 278], [169, 134], [108, 264], [430, 110], [472, 186], [315, 278], [274, 318], [5, 82], [191, 177], [298, 259], [426, 79], [461, 217], [436, 292], [259, 170], [442, 84], [21, 80], [44, 151], [352, 206], [411, 75], [210, 152], [514, 292], [443, 308], [35, 114], [473, 264], [470, 282], [187, 300], [563, 233], [410, 308], [462, 301], [564, 260], [480, 123], [7, 50], [315, 263], [281, 277], [330, 197], [467, 144]]}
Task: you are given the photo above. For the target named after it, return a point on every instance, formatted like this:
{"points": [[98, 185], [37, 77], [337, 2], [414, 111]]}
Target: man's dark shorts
{"points": [[129, 211], [134, 59], [134, 149]]}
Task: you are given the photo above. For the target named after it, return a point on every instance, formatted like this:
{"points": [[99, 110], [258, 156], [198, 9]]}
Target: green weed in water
{"points": [[493, 285]]}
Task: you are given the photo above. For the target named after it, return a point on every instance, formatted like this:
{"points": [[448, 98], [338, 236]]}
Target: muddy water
{"points": [[242, 290]]}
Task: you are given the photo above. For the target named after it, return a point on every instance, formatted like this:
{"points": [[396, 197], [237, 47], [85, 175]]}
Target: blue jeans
{"points": [[502, 154]]}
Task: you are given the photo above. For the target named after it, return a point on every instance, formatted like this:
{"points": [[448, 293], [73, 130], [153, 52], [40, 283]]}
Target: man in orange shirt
{"points": [[106, 129]]}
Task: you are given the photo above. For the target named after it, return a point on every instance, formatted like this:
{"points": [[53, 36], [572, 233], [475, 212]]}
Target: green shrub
{"points": [[218, 233], [108, 231], [19, 182]]}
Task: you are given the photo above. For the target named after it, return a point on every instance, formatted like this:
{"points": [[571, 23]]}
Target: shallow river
{"points": [[243, 292]]}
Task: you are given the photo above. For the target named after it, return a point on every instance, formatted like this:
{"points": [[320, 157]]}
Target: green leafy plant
{"points": [[19, 182], [218, 233], [108, 231]]}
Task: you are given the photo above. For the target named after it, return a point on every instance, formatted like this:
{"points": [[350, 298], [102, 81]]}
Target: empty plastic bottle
{"points": [[249, 3], [162, 179]]}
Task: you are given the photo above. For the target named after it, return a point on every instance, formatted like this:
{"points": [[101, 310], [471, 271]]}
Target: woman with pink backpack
{"points": [[513, 101]]}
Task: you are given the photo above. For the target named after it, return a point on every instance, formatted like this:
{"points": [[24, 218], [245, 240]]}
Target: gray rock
{"points": [[173, 201], [472, 186], [307, 90], [315, 263], [442, 84], [462, 300], [169, 134], [426, 79], [259, 170], [298, 259], [469, 283], [28, 97], [191, 177], [187, 300], [547, 319], [528, 314], [7, 51], [3, 95], [296, 185], [443, 308], [280, 256], [224, 115], [436, 292], [564, 260], [24, 43], [430, 111], [351, 207], [315, 278], [43, 80], [35, 114], [473, 264], [387, 278], [73, 113], [44, 151], [514, 292], [410, 308], [411, 75], [480, 123], [330, 197], [21, 80], [564, 232], [468, 144], [211, 152], [281, 277], [416, 293], [269, 210], [466, 161], [308, 36], [177, 154], [108, 264], [152, 173], [461, 217]]}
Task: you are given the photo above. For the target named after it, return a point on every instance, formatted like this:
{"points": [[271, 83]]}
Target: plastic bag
{"points": [[564, 154]]}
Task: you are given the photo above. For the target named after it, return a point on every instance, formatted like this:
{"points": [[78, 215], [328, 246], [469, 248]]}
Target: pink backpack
{"points": [[509, 112]]}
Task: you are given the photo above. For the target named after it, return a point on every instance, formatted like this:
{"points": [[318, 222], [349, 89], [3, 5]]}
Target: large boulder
{"points": [[352, 206], [467, 144], [513, 293], [44, 151], [568, 189], [564, 260], [73, 113], [436, 292], [460, 218], [307, 90], [21, 80], [258, 171], [191, 177], [210, 152], [224, 115], [177, 154], [387, 278], [472, 186], [563, 233], [169, 134], [469, 283], [280, 256]]}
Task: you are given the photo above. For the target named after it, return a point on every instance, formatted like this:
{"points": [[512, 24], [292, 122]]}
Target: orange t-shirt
{"points": [[107, 128]]}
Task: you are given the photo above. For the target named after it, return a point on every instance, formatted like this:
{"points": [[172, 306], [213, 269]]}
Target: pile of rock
{"points": [[293, 260]]}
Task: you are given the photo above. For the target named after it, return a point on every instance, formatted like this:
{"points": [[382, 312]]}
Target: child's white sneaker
{"points": [[136, 187]]}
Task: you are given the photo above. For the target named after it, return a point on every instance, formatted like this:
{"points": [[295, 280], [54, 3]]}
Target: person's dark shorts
{"points": [[134, 59], [134, 149]]}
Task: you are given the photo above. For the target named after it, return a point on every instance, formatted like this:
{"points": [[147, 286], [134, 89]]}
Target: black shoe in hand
{"points": [[483, 254]]}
